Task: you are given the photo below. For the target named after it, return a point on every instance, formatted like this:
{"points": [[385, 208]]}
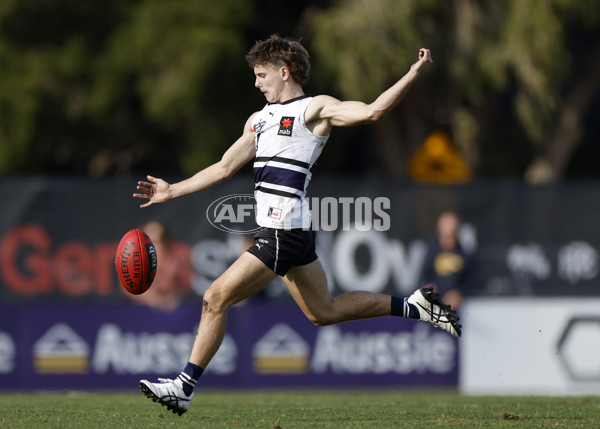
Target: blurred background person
{"points": [[451, 270], [170, 284]]}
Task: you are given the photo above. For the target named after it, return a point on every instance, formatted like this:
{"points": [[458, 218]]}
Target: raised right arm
{"points": [[325, 112]]}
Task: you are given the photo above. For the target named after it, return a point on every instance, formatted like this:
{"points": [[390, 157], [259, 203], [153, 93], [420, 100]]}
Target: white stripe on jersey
{"points": [[259, 164], [267, 186]]}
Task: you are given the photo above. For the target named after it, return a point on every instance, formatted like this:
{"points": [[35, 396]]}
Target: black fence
{"points": [[58, 236]]}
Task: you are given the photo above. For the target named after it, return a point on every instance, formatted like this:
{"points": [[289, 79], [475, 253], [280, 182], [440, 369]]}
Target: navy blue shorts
{"points": [[281, 249]]}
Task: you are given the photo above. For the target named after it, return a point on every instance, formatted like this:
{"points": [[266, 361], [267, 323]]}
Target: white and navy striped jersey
{"points": [[286, 150]]}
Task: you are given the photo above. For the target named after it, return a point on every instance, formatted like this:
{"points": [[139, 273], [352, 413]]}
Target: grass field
{"points": [[299, 409]]}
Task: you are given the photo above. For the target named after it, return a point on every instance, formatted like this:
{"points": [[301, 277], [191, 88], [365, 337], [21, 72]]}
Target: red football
{"points": [[136, 261]]}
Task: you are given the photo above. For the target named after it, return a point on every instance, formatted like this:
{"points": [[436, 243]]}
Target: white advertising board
{"points": [[530, 346]]}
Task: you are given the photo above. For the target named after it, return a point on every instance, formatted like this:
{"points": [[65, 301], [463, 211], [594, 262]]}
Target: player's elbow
{"points": [[225, 172], [374, 115]]}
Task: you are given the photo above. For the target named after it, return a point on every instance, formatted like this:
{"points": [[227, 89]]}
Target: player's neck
{"points": [[290, 93]]}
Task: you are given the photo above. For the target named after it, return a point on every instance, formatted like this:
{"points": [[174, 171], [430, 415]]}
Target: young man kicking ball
{"points": [[285, 139]]}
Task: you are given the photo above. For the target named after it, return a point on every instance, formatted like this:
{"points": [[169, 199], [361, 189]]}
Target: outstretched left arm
{"points": [[346, 113]]}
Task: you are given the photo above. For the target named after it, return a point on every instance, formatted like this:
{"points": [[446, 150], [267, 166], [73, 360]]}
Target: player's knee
{"points": [[214, 300], [321, 319]]}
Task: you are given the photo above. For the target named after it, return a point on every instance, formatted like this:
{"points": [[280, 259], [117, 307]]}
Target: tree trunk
{"points": [[566, 136]]}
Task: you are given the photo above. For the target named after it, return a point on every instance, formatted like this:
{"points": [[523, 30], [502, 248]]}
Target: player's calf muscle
{"points": [[360, 305]]}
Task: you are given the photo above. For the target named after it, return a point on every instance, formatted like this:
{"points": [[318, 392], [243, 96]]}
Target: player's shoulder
{"points": [[318, 103], [248, 126], [252, 116], [323, 100]]}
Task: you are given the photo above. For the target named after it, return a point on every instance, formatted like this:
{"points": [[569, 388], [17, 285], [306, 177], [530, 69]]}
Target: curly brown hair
{"points": [[277, 49]]}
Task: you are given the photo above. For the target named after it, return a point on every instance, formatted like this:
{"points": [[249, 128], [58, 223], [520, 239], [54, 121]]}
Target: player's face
{"points": [[269, 80]]}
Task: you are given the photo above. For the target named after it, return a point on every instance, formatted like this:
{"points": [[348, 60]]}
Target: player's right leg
{"points": [[244, 278], [247, 276]]}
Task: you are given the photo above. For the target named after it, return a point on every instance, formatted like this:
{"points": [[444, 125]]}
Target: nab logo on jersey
{"points": [[285, 126]]}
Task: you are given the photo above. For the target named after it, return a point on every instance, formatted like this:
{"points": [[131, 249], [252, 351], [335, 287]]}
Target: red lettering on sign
{"points": [[30, 265], [104, 264], [24, 258], [73, 266]]}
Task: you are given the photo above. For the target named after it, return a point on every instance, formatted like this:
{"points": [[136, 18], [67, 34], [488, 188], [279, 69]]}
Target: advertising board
{"points": [[530, 346], [93, 346]]}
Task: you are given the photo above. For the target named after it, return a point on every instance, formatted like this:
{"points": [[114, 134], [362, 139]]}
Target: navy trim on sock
{"points": [[189, 376], [397, 306], [402, 308], [193, 370]]}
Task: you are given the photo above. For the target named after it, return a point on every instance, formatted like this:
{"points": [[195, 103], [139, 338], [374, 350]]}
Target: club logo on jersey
{"points": [[285, 126], [258, 126]]}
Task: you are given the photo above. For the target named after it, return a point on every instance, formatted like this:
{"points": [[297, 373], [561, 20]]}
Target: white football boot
{"points": [[168, 393], [432, 310]]}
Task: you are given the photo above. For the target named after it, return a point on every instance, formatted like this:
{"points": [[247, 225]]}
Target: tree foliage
{"points": [[100, 86], [127, 85], [485, 53]]}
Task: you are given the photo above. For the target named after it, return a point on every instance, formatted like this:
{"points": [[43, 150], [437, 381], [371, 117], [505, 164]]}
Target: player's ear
{"points": [[285, 73]]}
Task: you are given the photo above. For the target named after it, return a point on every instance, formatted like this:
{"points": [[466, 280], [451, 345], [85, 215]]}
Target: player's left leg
{"points": [[308, 286]]}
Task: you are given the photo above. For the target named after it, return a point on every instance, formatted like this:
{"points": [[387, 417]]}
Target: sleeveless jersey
{"points": [[285, 154]]}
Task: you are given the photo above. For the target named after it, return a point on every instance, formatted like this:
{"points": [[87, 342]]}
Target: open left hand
{"points": [[156, 191]]}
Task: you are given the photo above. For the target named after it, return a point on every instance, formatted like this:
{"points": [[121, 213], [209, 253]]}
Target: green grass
{"points": [[299, 409]]}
